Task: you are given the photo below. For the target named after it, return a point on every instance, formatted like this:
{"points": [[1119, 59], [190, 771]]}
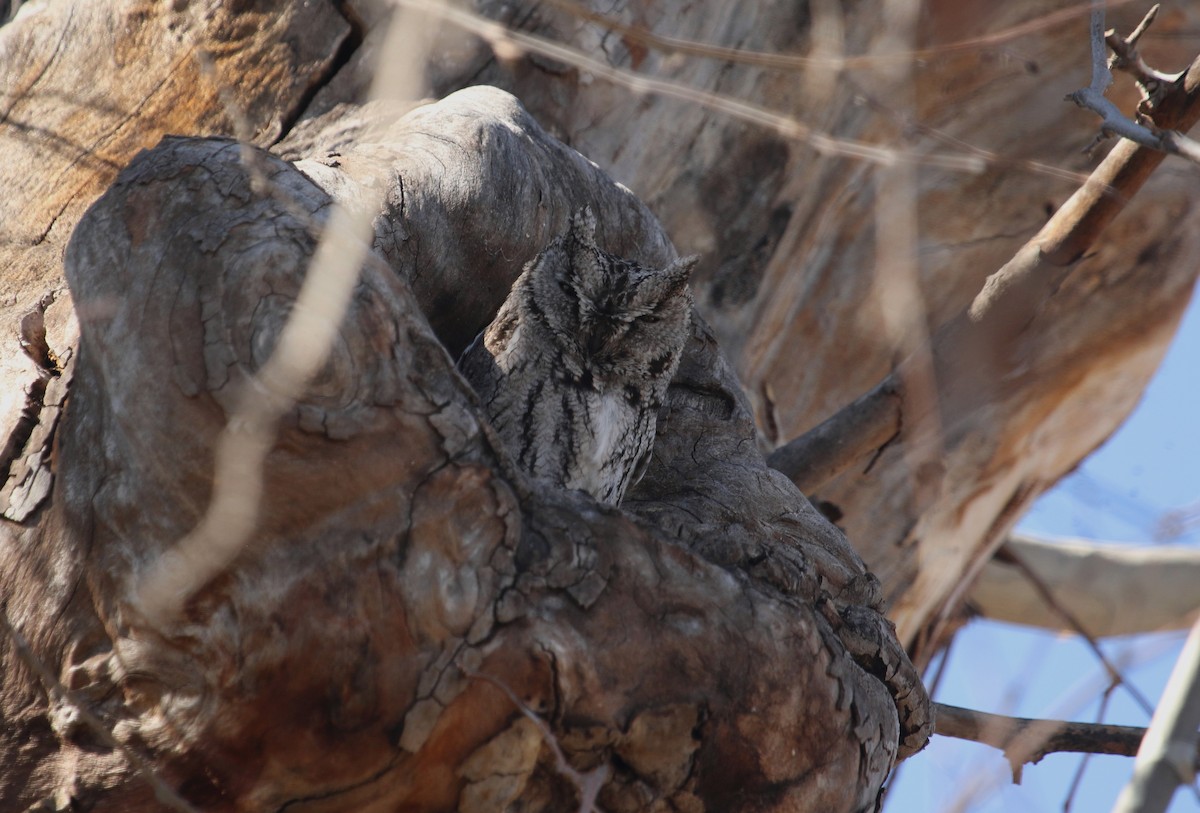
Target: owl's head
{"points": [[618, 322]]}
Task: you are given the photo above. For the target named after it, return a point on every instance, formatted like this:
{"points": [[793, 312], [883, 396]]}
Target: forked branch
{"points": [[1126, 57]]}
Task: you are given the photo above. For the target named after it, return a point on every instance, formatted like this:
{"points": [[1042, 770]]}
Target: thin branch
{"points": [[56, 692], [639, 35], [794, 62], [302, 349], [1093, 98], [993, 159], [1127, 58], [1101, 75], [1166, 757], [1026, 740], [1047, 595], [1114, 122], [1077, 779], [504, 38], [896, 285]]}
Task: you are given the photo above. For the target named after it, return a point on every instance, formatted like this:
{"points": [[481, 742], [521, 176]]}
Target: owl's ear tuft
{"points": [[584, 265], [583, 226], [682, 267], [678, 272]]}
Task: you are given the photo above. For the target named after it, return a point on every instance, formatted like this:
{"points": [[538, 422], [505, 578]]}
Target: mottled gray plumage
{"points": [[576, 363]]}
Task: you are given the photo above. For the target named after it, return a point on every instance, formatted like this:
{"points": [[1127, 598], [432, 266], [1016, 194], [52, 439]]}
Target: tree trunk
{"points": [[413, 624]]}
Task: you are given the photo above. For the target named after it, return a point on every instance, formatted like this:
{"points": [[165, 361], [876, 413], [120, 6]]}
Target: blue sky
{"points": [[1149, 468]]}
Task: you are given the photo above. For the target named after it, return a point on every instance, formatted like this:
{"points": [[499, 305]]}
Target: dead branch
{"points": [[795, 62], [833, 446], [1026, 740], [1127, 58], [1164, 760], [1109, 589], [1114, 122], [1047, 596]]}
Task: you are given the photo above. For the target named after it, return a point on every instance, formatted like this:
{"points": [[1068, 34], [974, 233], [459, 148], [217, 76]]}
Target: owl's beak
{"points": [[603, 334], [596, 343]]}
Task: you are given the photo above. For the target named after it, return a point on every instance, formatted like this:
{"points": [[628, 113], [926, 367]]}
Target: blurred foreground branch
{"points": [[304, 346]]}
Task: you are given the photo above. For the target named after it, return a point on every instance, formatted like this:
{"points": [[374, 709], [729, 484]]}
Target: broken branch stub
{"points": [[718, 645]]}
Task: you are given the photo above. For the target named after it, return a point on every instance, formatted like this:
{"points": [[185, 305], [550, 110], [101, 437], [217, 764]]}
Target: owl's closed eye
{"points": [[576, 364]]}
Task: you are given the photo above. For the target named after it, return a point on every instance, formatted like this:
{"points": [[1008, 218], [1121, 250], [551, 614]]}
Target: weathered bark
{"points": [[717, 645], [787, 247], [395, 541], [84, 87]]}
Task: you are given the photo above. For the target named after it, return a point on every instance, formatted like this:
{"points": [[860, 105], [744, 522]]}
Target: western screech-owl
{"points": [[575, 365]]}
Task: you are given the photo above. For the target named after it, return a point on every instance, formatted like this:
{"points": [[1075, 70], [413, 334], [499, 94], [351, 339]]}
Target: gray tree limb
{"points": [[1166, 758], [1111, 589]]}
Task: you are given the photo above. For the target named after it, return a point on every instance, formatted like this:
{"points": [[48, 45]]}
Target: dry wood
{"points": [[719, 644], [1110, 589], [998, 321], [1165, 758], [1005, 306]]}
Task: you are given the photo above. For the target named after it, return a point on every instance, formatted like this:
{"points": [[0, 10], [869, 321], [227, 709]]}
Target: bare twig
{"points": [[1114, 122], [1166, 758], [1077, 779], [1046, 594], [1026, 740], [787, 126], [993, 159], [57, 692], [1127, 58], [641, 36], [795, 62], [303, 346], [896, 286]]}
